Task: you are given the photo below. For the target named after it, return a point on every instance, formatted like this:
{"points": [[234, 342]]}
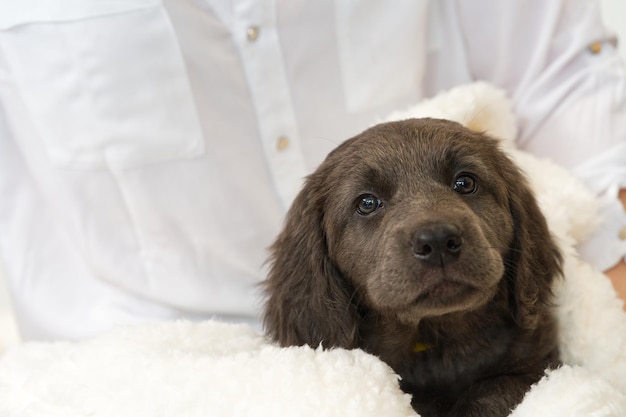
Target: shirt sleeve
{"points": [[606, 175], [560, 65]]}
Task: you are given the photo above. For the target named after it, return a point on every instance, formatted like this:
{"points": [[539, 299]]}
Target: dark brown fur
{"points": [[480, 300]]}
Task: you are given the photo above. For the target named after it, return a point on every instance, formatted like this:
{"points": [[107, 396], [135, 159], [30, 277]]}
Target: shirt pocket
{"points": [[381, 50], [103, 82]]}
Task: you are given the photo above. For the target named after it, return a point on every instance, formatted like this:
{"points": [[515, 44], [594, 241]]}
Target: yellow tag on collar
{"points": [[420, 347]]}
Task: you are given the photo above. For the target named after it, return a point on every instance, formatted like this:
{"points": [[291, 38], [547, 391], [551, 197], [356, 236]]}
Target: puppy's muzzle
{"points": [[437, 244]]}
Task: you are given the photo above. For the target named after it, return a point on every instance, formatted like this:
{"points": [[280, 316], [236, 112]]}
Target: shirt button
{"points": [[595, 48], [252, 33], [622, 233], [282, 143]]}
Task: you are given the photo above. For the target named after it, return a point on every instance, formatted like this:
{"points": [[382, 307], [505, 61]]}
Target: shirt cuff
{"points": [[607, 245]]}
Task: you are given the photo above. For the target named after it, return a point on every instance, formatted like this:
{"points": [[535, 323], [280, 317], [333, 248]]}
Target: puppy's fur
{"points": [[420, 242]]}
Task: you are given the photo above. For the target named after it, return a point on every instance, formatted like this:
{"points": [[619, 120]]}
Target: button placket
{"points": [[265, 72]]}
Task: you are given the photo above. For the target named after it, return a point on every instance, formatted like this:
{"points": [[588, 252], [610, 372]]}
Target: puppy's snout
{"points": [[437, 244]]}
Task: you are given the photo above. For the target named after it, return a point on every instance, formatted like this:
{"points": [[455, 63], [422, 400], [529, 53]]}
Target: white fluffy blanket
{"points": [[213, 369]]}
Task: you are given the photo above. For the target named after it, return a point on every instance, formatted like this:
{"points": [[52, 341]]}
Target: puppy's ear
{"points": [[534, 260], [308, 301]]}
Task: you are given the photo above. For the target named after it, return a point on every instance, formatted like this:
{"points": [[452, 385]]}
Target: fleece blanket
{"points": [[215, 369]]}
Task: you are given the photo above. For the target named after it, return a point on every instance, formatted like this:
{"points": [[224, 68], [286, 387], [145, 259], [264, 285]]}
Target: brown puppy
{"points": [[420, 242]]}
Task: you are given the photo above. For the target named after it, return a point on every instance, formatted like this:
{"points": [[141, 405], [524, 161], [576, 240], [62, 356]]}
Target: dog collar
{"points": [[421, 347]]}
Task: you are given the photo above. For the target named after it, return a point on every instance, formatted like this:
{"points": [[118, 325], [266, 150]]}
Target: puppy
{"points": [[420, 242]]}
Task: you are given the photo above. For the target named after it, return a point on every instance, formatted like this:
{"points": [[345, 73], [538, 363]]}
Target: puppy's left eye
{"points": [[465, 184], [367, 204]]}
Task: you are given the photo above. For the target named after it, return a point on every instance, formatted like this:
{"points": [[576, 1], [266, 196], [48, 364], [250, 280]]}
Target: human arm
{"points": [[617, 273]]}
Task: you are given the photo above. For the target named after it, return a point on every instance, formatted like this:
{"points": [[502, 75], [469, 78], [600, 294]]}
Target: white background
{"points": [[614, 12]]}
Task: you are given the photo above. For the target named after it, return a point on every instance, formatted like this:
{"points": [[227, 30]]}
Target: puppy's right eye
{"points": [[367, 204], [465, 184]]}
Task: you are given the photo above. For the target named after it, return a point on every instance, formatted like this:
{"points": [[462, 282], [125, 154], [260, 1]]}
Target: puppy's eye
{"points": [[367, 204], [465, 184]]}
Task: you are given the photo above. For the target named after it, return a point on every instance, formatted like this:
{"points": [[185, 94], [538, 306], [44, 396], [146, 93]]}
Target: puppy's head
{"points": [[410, 219]]}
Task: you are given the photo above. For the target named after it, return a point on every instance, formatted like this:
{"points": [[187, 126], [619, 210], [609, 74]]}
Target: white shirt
{"points": [[148, 151]]}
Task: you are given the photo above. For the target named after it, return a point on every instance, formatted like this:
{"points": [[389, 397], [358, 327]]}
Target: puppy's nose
{"points": [[437, 244]]}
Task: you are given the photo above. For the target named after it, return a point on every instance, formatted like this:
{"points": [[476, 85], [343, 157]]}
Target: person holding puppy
{"points": [[149, 151]]}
